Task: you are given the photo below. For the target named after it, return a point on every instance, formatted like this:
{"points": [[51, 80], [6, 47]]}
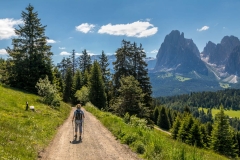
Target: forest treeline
{"points": [[127, 91], [229, 98]]}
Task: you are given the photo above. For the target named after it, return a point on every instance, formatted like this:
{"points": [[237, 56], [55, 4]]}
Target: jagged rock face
{"points": [[180, 55], [210, 48], [220, 55], [233, 62]]}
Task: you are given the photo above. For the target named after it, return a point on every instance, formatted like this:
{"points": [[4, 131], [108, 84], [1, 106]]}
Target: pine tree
{"points": [[141, 73], [238, 142], [85, 61], [163, 121], [106, 75], [194, 136], [64, 65], [175, 128], [155, 114], [121, 65], [131, 98], [3, 71], [222, 135], [185, 127], [68, 82], [30, 55], [97, 94], [130, 61], [57, 80], [77, 84]]}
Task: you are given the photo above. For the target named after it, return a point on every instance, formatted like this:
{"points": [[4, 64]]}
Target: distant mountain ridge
{"points": [[179, 67]]}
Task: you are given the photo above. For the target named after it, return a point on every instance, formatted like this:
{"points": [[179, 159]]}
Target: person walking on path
{"points": [[78, 116]]}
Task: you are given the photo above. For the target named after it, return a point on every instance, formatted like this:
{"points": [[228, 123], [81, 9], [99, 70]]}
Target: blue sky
{"points": [[97, 25]]}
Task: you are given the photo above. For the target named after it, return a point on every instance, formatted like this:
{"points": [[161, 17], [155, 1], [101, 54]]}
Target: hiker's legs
{"points": [[80, 128], [76, 128]]}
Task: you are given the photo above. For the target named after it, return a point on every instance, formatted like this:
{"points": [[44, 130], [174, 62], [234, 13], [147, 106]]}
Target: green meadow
{"points": [[182, 79], [24, 133], [150, 144], [230, 113]]}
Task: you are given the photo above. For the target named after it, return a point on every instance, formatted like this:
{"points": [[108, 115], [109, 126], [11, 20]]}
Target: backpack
{"points": [[78, 115]]}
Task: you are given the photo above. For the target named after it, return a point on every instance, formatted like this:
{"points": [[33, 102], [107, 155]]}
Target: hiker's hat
{"points": [[78, 106]]}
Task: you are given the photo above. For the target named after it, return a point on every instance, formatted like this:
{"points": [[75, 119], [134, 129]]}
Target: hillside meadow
{"points": [[24, 133], [150, 144], [230, 113]]}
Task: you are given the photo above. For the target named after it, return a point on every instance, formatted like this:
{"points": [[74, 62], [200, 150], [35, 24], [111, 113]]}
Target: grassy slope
{"points": [[230, 113], [24, 133], [151, 144]]}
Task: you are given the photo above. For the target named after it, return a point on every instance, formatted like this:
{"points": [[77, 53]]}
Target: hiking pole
{"points": [[73, 131], [83, 127]]}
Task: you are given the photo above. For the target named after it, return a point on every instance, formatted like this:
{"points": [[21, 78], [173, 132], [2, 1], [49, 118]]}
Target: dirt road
{"points": [[97, 144]]}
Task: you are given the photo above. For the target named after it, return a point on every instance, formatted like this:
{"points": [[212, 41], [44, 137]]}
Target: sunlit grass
{"points": [[24, 133], [224, 85], [182, 79], [230, 113], [150, 144], [166, 75]]}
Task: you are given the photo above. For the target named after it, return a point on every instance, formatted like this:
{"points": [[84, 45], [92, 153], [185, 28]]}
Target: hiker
{"points": [[78, 116]]}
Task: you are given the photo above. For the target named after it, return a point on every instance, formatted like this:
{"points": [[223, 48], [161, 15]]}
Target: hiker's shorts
{"points": [[78, 126]]}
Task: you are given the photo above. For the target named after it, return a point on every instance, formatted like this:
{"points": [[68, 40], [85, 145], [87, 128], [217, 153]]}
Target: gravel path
{"points": [[98, 143]]}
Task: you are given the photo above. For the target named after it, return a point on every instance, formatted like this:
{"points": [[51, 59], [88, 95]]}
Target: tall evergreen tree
{"points": [[185, 127], [163, 120], [30, 56], [77, 85], [131, 98], [195, 136], [96, 87], [130, 61], [106, 75], [175, 128], [64, 65], [222, 135], [68, 82], [155, 114], [141, 72], [122, 64], [238, 142], [74, 63], [85, 61], [3, 71], [57, 80]]}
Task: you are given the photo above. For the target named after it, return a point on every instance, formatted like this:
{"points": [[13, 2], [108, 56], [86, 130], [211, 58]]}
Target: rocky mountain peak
{"points": [[209, 48], [179, 54], [220, 54]]}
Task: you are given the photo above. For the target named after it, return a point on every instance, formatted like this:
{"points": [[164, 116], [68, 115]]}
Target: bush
{"points": [[130, 138], [126, 118], [48, 92], [138, 146]]}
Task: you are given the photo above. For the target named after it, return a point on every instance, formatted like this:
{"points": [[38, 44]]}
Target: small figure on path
{"points": [[79, 119]]}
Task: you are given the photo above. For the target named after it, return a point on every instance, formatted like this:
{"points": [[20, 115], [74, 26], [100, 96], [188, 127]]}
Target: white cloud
{"points": [[64, 53], [61, 47], [204, 28], [50, 41], [85, 27], [7, 27], [136, 29], [3, 52], [154, 51], [148, 19]]}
